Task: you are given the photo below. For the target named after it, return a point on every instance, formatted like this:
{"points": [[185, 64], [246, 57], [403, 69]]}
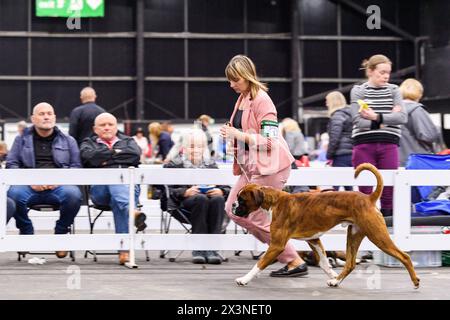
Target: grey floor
{"points": [[160, 279]]}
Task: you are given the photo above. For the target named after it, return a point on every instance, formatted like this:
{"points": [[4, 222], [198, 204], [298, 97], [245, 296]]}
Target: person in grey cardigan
{"points": [[294, 137], [420, 134], [339, 130]]}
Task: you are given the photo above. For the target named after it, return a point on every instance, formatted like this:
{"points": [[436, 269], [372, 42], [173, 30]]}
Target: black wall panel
{"points": [[280, 93], [117, 97], [164, 100], [320, 59], [224, 16], [13, 96], [216, 99], [268, 16], [164, 57], [114, 57], [208, 58], [13, 56], [59, 56], [164, 15], [271, 57], [318, 17], [12, 19]]}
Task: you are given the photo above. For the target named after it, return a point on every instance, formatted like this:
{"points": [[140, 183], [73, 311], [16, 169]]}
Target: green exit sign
{"points": [[70, 8]]}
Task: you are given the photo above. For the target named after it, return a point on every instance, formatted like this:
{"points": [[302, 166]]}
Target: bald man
{"points": [[43, 145], [82, 117], [108, 148]]}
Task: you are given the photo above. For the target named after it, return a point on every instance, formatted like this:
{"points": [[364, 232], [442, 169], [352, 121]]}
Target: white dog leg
{"points": [[242, 281], [323, 263]]}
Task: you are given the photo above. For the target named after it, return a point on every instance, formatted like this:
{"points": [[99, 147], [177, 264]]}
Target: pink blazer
{"points": [[269, 155]]}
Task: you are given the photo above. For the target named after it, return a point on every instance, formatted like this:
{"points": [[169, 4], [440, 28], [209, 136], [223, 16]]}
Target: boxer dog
{"points": [[307, 216]]}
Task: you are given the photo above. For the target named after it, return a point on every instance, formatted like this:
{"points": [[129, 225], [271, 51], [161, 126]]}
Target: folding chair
{"points": [[179, 214], [101, 208], [255, 256], [45, 208]]}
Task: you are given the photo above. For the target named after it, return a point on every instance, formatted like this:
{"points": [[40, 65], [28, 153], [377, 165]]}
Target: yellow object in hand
{"points": [[362, 105]]}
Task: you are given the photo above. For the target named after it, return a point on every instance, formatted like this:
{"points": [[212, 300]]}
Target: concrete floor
{"points": [[160, 279]]}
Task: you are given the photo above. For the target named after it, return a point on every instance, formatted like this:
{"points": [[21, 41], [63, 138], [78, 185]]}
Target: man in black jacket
{"points": [[109, 148], [82, 117], [204, 206]]}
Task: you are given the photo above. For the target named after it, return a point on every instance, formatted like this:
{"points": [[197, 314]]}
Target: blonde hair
{"points": [[373, 61], [205, 117], [154, 131], [411, 89], [336, 101], [192, 137], [241, 67], [290, 125]]}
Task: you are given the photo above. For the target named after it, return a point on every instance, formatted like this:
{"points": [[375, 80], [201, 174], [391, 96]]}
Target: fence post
{"points": [[131, 207], [401, 221], [3, 209]]}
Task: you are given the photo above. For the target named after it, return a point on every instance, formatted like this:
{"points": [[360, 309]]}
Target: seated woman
{"points": [[204, 206]]}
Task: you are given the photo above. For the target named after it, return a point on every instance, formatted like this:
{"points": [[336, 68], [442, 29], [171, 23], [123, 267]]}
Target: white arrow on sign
{"points": [[94, 4]]}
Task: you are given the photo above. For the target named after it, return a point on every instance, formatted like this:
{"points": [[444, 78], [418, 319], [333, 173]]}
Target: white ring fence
{"points": [[401, 179]]}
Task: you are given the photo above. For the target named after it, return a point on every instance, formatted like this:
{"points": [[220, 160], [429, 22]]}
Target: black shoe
{"points": [[139, 221], [368, 256], [301, 270], [198, 257], [212, 257]]}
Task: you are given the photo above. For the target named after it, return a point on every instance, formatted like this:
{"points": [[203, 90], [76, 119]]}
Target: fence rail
{"points": [[401, 179]]}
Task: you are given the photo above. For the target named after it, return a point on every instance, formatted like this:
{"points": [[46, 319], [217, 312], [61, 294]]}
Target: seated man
{"points": [[10, 209], [204, 208], [108, 148], [43, 145]]}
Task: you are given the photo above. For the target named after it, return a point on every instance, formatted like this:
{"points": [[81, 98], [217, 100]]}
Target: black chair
{"points": [[161, 193], [255, 255], [101, 208], [45, 208]]}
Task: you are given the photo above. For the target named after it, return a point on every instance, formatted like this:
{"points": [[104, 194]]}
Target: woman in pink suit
{"points": [[261, 154]]}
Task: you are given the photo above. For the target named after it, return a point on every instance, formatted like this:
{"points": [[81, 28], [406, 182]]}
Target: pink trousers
{"points": [[258, 223]]}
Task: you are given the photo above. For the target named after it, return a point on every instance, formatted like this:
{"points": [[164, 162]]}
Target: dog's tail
{"points": [[367, 166]]}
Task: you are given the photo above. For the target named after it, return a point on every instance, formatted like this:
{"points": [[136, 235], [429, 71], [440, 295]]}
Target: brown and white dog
{"points": [[306, 216]]}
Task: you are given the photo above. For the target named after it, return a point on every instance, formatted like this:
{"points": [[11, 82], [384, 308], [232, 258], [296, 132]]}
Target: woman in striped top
{"points": [[376, 129]]}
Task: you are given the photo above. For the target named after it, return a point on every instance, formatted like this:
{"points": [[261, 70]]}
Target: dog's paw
{"points": [[333, 282], [417, 283], [242, 281]]}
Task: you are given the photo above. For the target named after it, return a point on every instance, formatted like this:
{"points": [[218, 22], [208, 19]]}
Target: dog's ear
{"points": [[258, 195]]}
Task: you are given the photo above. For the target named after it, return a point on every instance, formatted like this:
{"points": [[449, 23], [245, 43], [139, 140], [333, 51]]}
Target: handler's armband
{"points": [[269, 129]]}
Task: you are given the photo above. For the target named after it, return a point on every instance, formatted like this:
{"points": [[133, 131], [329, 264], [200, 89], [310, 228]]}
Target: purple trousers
{"points": [[382, 156]]}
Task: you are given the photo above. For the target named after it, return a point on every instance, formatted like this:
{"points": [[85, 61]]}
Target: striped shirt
{"points": [[381, 100]]}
